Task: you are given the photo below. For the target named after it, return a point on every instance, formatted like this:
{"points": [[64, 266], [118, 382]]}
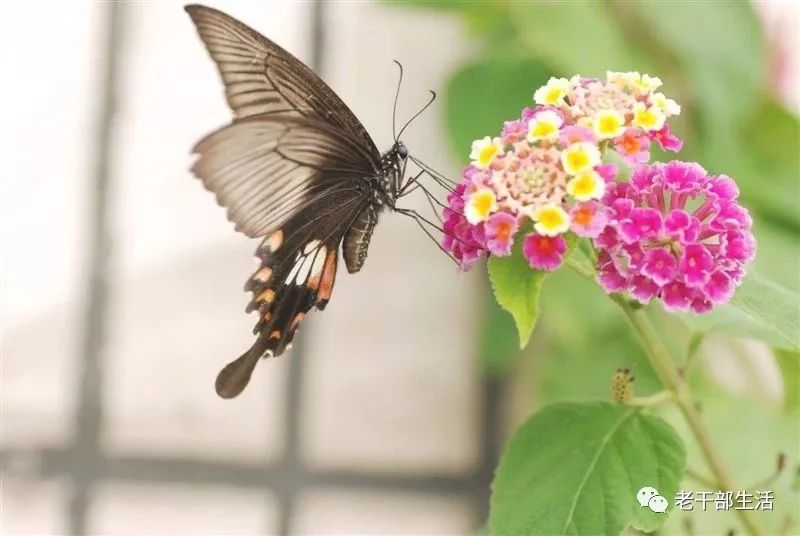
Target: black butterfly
{"points": [[294, 166]]}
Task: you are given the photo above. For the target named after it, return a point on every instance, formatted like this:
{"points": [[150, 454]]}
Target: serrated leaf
{"points": [[516, 288], [576, 468], [772, 306]]}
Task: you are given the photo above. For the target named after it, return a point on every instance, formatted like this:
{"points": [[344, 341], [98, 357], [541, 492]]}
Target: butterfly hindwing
{"points": [[297, 272]]}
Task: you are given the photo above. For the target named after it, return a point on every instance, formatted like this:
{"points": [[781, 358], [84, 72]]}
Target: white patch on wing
{"points": [[311, 246], [302, 275], [294, 271], [311, 261], [319, 262]]}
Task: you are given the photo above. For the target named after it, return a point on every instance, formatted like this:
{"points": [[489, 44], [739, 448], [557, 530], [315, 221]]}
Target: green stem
{"points": [[704, 480], [653, 400], [662, 363], [582, 269]]}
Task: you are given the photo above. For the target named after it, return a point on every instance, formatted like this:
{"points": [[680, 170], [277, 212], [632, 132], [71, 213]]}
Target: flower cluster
{"points": [[671, 232], [675, 233], [546, 167]]}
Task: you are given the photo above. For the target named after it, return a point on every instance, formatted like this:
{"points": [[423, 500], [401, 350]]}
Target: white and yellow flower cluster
{"points": [[651, 113], [549, 162]]}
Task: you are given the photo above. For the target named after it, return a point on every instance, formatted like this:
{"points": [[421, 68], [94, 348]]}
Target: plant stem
{"points": [[662, 363], [653, 400], [694, 475], [585, 271]]}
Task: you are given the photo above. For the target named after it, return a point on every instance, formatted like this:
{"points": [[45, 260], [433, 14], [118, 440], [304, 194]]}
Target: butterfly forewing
{"points": [[294, 166], [261, 77]]}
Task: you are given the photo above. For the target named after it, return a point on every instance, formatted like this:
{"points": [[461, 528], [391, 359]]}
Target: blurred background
{"points": [[122, 280]]}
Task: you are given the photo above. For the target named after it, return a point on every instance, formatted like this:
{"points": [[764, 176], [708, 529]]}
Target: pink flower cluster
{"points": [[672, 232], [677, 234]]}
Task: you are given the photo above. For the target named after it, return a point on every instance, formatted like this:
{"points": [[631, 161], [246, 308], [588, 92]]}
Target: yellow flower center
{"points": [[578, 159], [551, 219], [487, 154], [584, 185], [553, 95], [608, 124], [483, 204], [543, 130]]}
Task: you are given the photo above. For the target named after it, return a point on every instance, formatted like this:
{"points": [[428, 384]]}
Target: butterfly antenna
{"points": [[433, 98], [396, 96]]}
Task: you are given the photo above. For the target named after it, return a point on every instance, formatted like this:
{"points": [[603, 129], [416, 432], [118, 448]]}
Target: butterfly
{"points": [[297, 169]]}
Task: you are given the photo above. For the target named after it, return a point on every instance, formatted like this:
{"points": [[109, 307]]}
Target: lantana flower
{"points": [[580, 157], [544, 125], [545, 176], [544, 252], [480, 204], [676, 234], [608, 124], [484, 151], [633, 146], [553, 92]]}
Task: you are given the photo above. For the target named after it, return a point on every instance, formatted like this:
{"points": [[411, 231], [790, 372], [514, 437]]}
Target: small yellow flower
{"points": [[551, 220], [484, 151], [634, 81], [646, 84], [648, 118], [668, 106], [587, 185], [608, 124], [544, 126], [481, 203], [625, 80], [553, 92], [579, 157]]}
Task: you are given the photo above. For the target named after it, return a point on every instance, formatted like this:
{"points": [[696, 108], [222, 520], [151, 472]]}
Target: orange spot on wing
{"points": [[275, 335], [266, 296], [328, 276], [313, 282], [263, 274], [274, 241], [267, 316]]}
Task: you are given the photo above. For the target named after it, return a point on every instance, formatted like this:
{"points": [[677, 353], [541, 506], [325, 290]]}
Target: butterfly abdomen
{"points": [[356, 240]]}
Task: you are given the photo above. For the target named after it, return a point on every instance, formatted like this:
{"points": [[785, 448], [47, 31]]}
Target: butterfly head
{"points": [[400, 149]]}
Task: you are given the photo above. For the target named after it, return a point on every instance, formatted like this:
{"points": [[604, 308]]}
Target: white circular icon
{"points": [[658, 504], [645, 494], [649, 497]]}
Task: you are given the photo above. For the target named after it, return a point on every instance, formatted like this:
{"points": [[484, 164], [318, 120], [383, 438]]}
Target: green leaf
{"points": [[789, 363], [772, 306], [516, 287], [761, 309], [576, 469], [749, 434], [498, 348], [730, 320], [481, 96], [587, 339], [576, 37], [724, 60]]}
